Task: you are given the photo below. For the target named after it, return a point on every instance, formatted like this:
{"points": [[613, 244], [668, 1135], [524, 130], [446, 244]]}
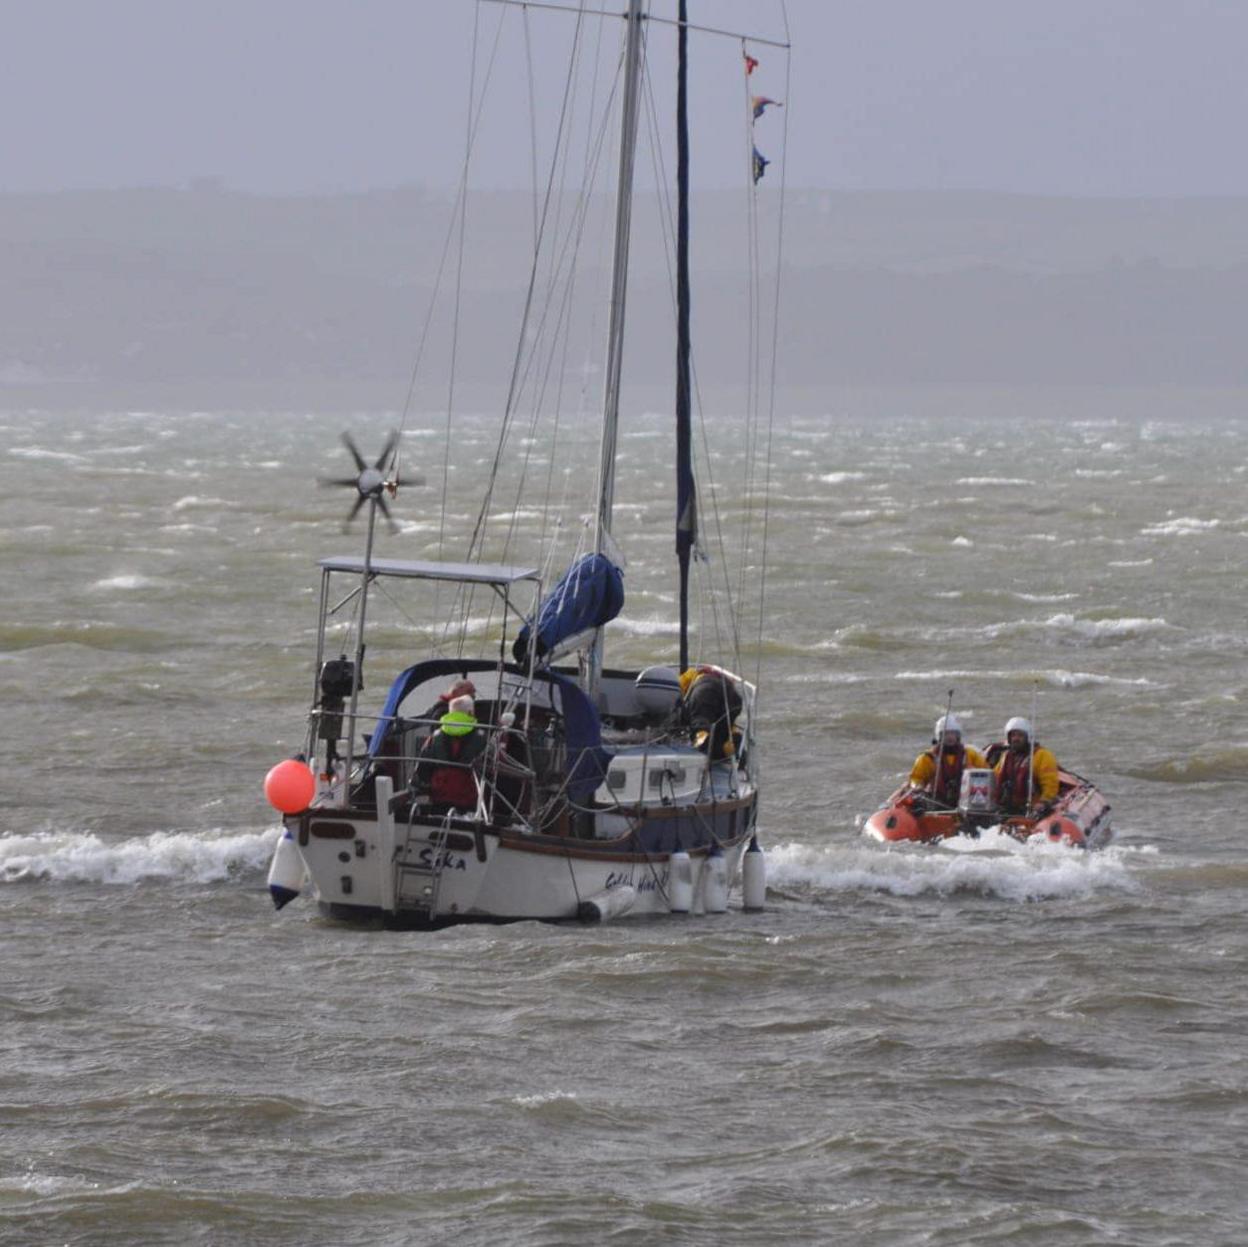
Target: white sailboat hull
{"points": [[437, 873]]}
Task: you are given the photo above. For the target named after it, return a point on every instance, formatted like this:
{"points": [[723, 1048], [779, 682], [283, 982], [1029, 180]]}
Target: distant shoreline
{"points": [[347, 398], [920, 291]]}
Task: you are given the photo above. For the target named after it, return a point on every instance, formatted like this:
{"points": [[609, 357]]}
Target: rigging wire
{"points": [[472, 122], [477, 541], [564, 269], [478, 534], [568, 255], [775, 344], [752, 318], [528, 61], [589, 159]]}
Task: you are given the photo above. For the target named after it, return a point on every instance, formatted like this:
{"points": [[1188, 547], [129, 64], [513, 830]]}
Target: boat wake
{"points": [[1024, 872], [178, 857]]}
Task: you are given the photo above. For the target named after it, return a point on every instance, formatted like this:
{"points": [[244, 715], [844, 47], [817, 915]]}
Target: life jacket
{"points": [[949, 774], [1013, 779], [453, 785]]}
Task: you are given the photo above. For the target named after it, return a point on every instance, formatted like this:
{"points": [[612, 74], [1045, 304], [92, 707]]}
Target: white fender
{"points": [[716, 887], [386, 885], [680, 883], [753, 878], [610, 903], [285, 871]]}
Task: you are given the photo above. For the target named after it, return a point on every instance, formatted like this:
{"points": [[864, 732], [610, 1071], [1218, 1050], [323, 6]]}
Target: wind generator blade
{"points": [[400, 481], [352, 481], [384, 457], [355, 510], [355, 454], [385, 510]]}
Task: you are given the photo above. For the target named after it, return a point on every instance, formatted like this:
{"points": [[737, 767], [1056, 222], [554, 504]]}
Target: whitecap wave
{"points": [[195, 500], [1183, 526], [1093, 629], [546, 1097], [992, 480], [1038, 872], [124, 582], [1057, 677], [38, 452], [645, 627], [180, 857]]}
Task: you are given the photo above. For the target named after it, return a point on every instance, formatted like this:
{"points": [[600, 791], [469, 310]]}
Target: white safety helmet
{"points": [[947, 723], [1018, 724]]}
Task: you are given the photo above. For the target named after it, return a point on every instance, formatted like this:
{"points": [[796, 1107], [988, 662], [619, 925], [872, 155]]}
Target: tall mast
{"points": [[686, 491], [619, 287]]}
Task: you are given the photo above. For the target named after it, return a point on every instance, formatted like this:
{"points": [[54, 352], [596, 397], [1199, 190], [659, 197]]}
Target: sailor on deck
{"points": [[938, 771], [711, 702], [445, 767]]}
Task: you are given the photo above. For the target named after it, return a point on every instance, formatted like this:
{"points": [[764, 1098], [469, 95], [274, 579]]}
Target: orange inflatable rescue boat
{"points": [[1078, 816]]}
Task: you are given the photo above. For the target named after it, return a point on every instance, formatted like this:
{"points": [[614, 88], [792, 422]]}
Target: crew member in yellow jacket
{"points": [[943, 784], [710, 703], [1024, 773]]}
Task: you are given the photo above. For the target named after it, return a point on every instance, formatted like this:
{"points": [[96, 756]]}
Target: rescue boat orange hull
{"points": [[1079, 817]]}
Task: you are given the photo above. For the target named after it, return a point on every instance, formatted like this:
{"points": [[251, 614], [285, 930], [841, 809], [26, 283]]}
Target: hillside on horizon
{"points": [[205, 286]]}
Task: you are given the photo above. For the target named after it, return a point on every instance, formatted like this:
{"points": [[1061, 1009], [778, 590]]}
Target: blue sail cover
{"points": [[588, 595]]}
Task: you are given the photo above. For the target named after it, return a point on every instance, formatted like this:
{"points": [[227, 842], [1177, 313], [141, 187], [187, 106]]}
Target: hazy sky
{"points": [[1083, 97]]}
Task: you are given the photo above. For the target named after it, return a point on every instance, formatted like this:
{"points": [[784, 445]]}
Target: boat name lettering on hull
{"points": [[651, 883], [443, 861]]}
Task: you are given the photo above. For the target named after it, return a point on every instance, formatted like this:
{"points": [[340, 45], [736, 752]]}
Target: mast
{"points": [[619, 287], [686, 490]]}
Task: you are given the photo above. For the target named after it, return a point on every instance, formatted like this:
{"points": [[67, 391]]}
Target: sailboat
{"points": [[532, 781]]}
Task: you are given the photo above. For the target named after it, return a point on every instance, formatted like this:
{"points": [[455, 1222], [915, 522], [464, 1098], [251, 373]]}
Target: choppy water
{"points": [[909, 1047]]}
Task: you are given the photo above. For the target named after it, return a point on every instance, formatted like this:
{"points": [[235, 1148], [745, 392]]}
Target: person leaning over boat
{"points": [[445, 769], [710, 703], [943, 783], [1016, 763]]}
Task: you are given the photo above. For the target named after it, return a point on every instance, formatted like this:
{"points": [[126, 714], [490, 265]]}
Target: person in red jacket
{"points": [[445, 770], [1027, 779]]}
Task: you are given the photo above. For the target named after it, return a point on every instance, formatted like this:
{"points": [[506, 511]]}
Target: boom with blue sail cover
{"points": [[589, 594]]}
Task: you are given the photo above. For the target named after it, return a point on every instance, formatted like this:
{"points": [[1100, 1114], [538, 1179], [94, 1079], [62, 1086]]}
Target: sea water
{"points": [[909, 1046]]}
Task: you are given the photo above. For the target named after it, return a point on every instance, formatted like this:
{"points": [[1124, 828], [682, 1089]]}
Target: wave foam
{"points": [[1093, 629], [645, 627], [1028, 873], [1056, 677], [1183, 526], [197, 500], [182, 857], [992, 480], [38, 452], [124, 582]]}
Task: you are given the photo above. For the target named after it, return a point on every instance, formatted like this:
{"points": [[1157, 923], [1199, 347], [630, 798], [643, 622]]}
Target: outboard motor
{"points": [[977, 799], [658, 691]]}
